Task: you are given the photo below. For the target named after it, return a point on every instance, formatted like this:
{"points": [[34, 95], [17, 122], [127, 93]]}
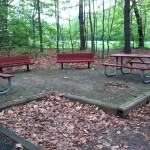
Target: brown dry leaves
{"points": [[55, 122], [58, 123]]}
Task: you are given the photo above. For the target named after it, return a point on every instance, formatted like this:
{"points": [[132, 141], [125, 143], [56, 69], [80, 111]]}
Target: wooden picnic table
{"points": [[130, 61]]}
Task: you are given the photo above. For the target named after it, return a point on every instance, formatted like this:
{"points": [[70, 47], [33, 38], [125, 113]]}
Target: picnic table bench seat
{"points": [[120, 67], [138, 62], [11, 61], [125, 66], [8, 87], [75, 58]]}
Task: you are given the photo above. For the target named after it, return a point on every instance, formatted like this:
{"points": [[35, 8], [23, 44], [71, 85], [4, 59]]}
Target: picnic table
{"points": [[129, 61]]}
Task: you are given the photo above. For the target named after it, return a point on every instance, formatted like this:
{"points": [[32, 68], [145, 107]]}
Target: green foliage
{"points": [[23, 32]]}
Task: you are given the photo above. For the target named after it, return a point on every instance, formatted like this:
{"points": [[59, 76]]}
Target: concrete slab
{"points": [[117, 95]]}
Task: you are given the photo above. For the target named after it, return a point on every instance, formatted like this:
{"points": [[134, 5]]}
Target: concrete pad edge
{"points": [[28, 145]]}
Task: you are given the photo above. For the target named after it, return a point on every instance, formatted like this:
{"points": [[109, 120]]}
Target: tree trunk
{"points": [[94, 27], [40, 26], [111, 24], [91, 28], [33, 25], [127, 48], [103, 26], [139, 24], [57, 22], [81, 26], [70, 34], [4, 36]]}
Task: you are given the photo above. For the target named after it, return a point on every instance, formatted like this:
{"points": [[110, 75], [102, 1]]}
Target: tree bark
{"points": [[40, 26], [110, 25], [139, 24], [103, 26], [127, 48], [81, 26], [70, 35], [91, 28], [57, 22]]}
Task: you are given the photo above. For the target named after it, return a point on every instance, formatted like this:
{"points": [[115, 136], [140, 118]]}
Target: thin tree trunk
{"points": [[40, 25], [33, 25], [139, 24], [87, 30], [94, 26], [103, 26], [132, 35], [81, 26], [145, 21], [57, 23], [85, 26], [111, 26], [70, 34], [91, 28]]}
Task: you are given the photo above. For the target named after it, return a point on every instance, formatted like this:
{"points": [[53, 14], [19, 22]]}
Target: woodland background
{"points": [[30, 26]]}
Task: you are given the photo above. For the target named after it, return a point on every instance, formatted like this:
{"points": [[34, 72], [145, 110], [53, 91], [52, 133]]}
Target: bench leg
{"points": [[28, 69], [143, 77], [112, 74], [62, 66], [1, 70], [8, 87], [88, 65]]}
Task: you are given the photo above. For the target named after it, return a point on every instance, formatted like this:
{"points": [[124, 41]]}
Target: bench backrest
{"points": [[75, 56], [14, 59]]}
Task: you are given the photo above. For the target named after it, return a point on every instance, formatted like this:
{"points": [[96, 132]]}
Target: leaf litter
{"points": [[56, 122]]}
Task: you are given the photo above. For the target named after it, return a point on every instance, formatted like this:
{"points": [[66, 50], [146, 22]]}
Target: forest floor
{"points": [[56, 122]]}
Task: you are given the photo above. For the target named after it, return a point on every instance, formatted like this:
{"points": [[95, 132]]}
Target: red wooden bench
{"points": [[11, 61], [6, 76], [75, 58]]}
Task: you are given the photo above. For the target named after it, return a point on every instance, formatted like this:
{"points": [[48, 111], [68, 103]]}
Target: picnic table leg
{"points": [[121, 69], [123, 72], [8, 87], [110, 75], [143, 77]]}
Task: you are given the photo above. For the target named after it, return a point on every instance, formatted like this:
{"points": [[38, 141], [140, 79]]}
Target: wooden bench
{"points": [[11, 61], [120, 67], [8, 87], [75, 58]]}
